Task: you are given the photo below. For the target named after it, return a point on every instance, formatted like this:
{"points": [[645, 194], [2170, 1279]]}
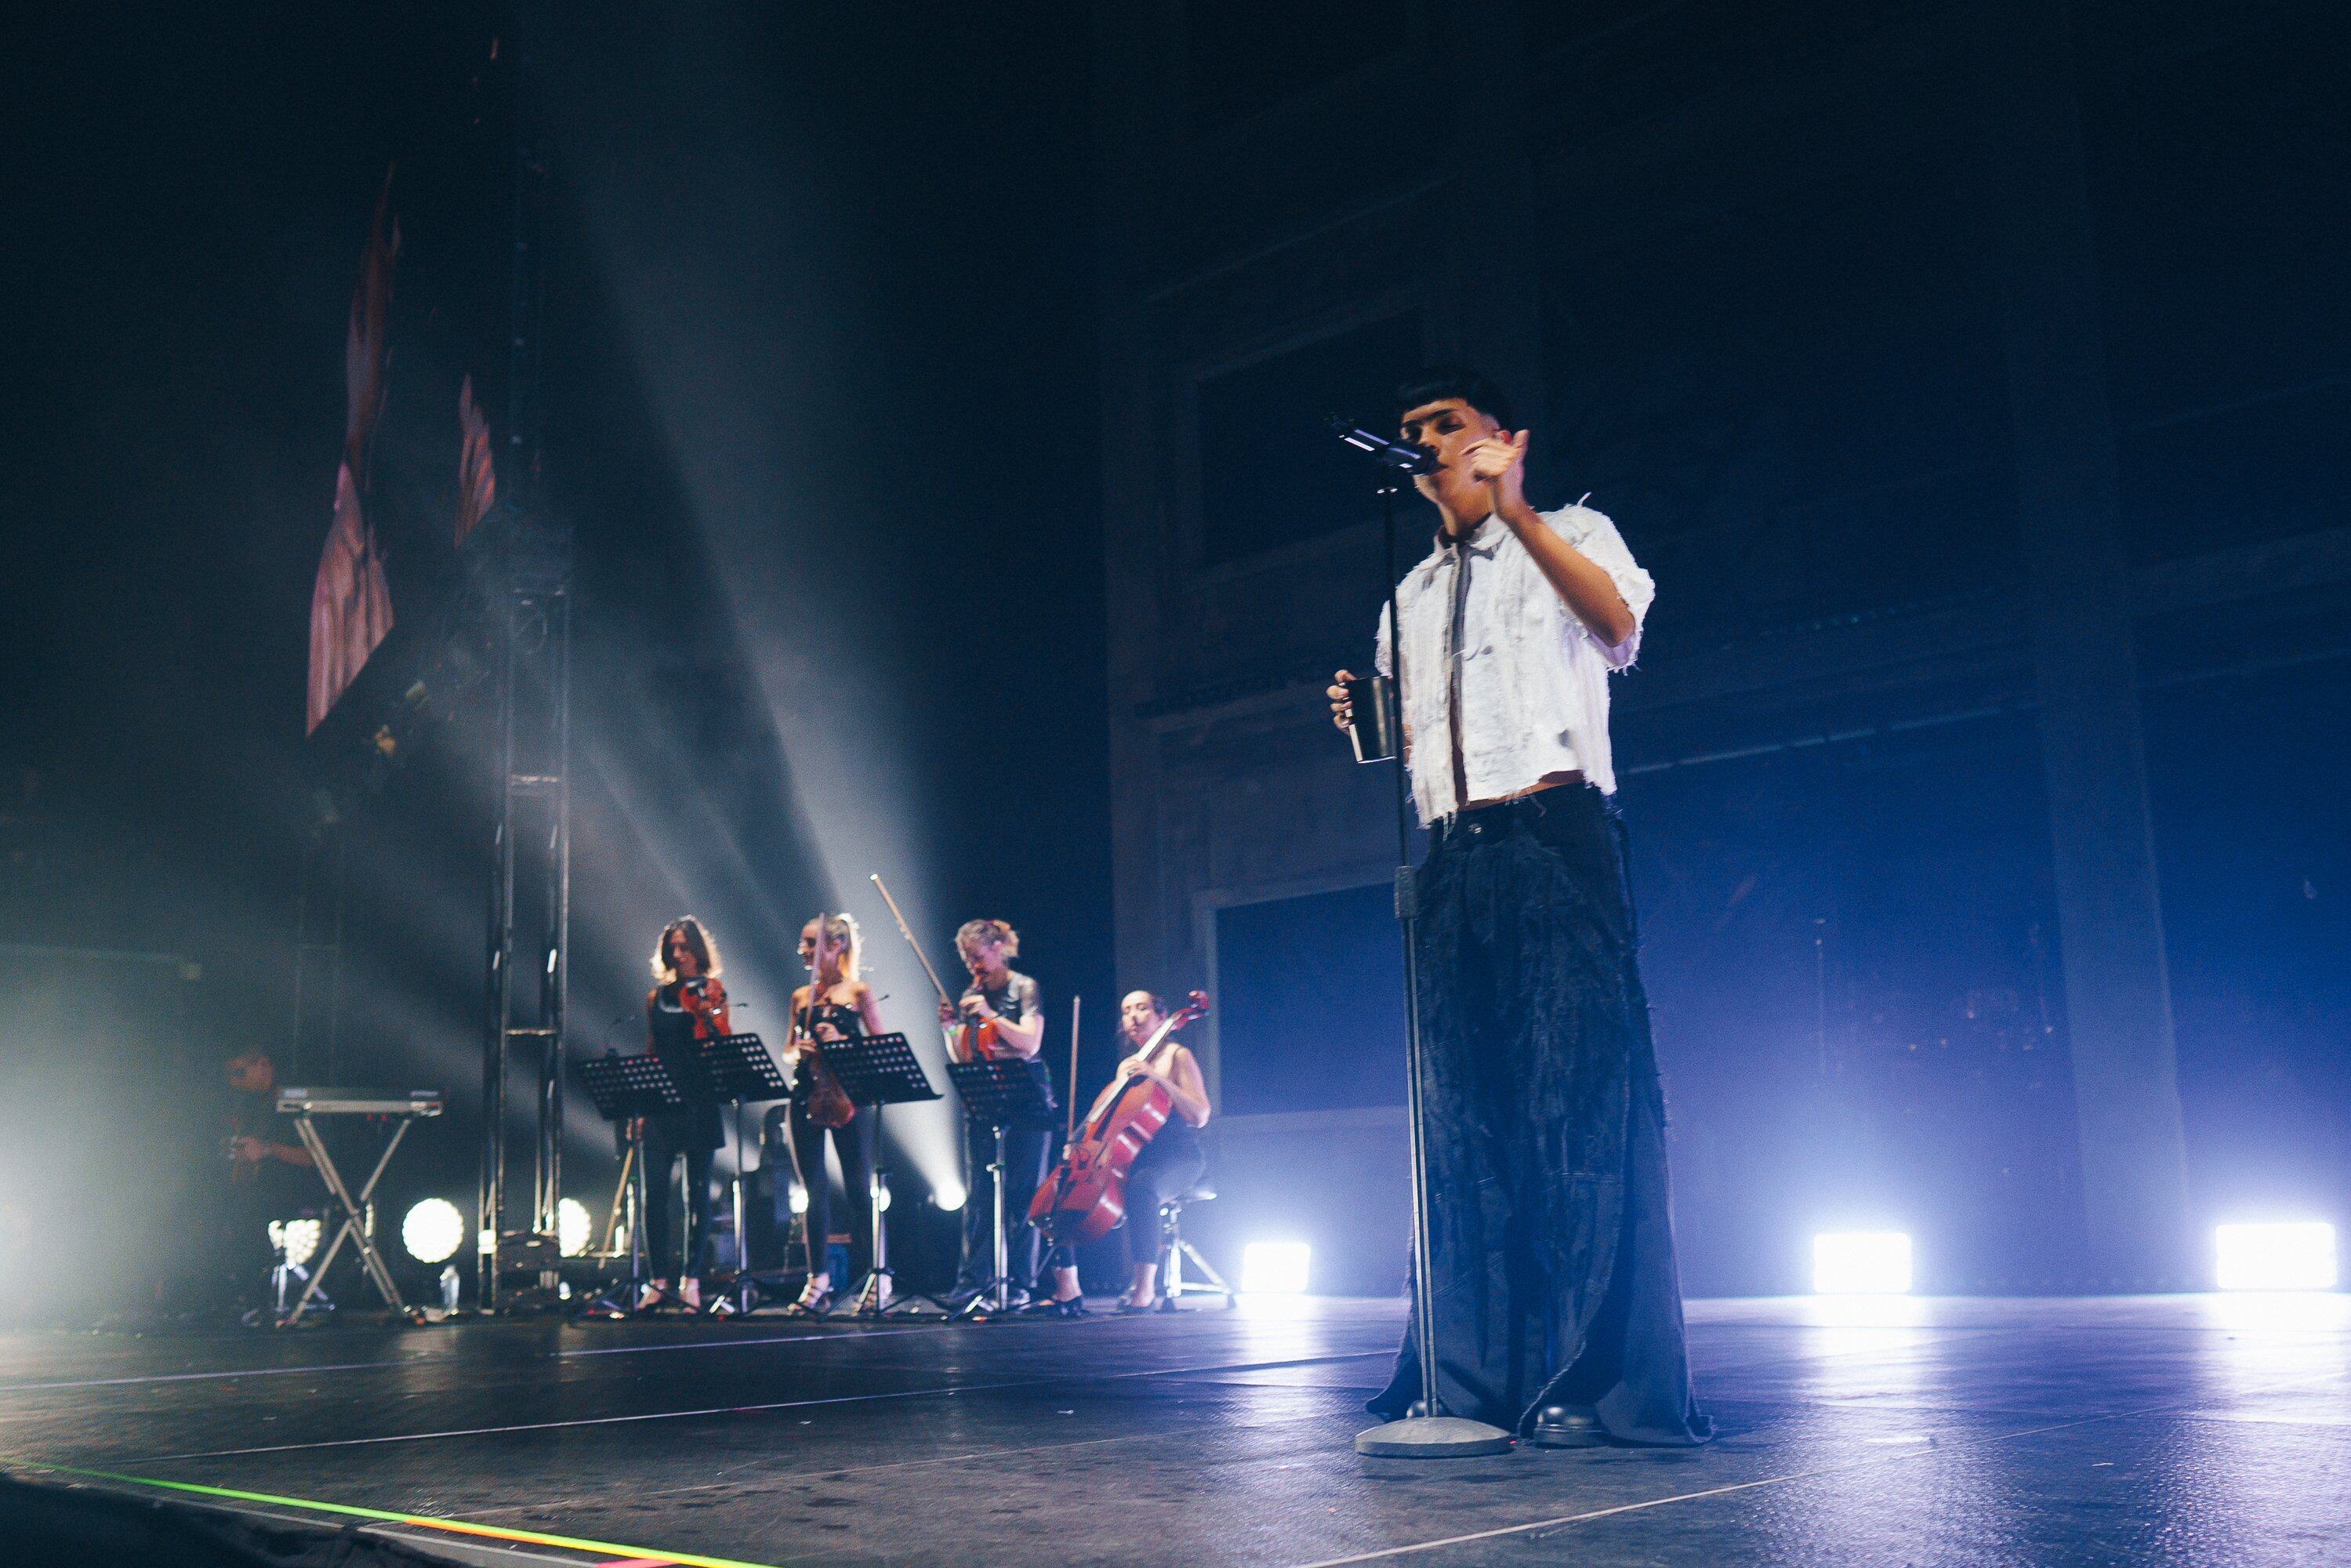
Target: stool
{"points": [[1174, 1250]]}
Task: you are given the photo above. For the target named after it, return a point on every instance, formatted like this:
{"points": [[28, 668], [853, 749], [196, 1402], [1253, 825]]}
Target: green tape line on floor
{"points": [[422, 1521]]}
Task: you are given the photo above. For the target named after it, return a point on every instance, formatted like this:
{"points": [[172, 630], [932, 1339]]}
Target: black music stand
{"points": [[1003, 1094], [741, 1070], [626, 1090], [877, 1072]]}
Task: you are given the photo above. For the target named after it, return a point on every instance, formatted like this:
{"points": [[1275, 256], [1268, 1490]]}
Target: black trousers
{"points": [[1552, 1268], [1024, 1162], [666, 1138], [1167, 1168], [853, 1145]]}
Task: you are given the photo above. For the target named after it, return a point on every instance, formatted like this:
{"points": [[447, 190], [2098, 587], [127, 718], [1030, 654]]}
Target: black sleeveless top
{"points": [[696, 1123]]}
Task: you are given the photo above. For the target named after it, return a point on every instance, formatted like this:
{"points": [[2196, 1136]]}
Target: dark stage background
{"points": [[839, 302], [818, 400]]}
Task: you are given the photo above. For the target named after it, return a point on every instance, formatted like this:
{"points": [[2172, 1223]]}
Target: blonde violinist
{"points": [[999, 1016], [836, 1006]]}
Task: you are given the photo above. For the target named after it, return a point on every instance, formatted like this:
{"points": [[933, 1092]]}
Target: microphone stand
{"points": [[1426, 1432]]}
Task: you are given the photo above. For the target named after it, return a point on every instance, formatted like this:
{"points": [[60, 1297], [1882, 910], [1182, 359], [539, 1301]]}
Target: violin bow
{"points": [[804, 1022], [1071, 1131], [907, 931]]}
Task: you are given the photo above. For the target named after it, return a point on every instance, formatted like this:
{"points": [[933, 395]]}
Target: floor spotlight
{"points": [[2284, 1256], [1861, 1263], [432, 1230], [950, 1196], [298, 1239], [1275, 1268], [572, 1227]]}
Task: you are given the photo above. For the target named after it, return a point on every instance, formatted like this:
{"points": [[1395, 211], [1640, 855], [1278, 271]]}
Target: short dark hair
{"points": [[1438, 383]]}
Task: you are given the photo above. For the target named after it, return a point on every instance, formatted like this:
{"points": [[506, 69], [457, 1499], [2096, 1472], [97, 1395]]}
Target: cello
{"points": [[1085, 1198]]}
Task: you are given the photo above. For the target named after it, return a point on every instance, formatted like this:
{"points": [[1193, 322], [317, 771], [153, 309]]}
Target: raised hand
{"points": [[1501, 461]]}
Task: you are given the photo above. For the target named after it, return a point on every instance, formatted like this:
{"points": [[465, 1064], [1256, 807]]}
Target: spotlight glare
{"points": [[2279, 1256], [432, 1230], [298, 1239], [1275, 1268], [1861, 1263], [950, 1196], [572, 1227], [798, 1199]]}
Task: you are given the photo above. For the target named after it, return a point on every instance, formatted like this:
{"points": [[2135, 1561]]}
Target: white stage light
{"points": [[798, 1199], [2291, 1256], [1275, 1268], [1861, 1263], [882, 1194], [298, 1239], [432, 1230], [950, 1196], [572, 1227]]}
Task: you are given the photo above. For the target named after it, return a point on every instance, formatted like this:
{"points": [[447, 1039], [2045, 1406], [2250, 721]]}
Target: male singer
{"points": [[1558, 1314]]}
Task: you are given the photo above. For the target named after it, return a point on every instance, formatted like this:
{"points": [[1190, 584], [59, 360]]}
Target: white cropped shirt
{"points": [[1534, 678]]}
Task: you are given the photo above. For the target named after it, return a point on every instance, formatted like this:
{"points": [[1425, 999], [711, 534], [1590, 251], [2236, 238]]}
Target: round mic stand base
{"points": [[1432, 1437]]}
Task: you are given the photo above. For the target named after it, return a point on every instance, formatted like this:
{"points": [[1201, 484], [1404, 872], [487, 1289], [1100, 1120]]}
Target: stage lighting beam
{"points": [[298, 1239], [2289, 1255], [432, 1230], [1275, 1268], [572, 1227], [1861, 1263]]}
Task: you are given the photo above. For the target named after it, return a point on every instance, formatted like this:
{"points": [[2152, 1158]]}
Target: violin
{"points": [[703, 1000], [976, 1040], [829, 1104], [1085, 1198]]}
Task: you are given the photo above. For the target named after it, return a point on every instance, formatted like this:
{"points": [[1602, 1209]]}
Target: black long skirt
{"points": [[1551, 1238]]}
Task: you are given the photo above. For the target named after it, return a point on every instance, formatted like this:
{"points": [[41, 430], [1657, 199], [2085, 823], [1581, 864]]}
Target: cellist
{"points": [[1166, 1167], [1006, 1002]]}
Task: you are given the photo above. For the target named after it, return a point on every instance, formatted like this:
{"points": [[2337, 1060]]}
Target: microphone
{"points": [[1379, 449]]}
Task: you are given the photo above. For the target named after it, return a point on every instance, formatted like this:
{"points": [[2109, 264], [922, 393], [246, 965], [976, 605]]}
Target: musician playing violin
{"points": [[1002, 1009], [687, 1002], [1167, 1166], [842, 1008]]}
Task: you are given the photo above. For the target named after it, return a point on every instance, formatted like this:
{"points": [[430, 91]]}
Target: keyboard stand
{"points": [[353, 1227]]}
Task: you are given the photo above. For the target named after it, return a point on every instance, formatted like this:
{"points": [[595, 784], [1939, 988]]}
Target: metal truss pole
{"points": [[530, 885], [530, 872]]}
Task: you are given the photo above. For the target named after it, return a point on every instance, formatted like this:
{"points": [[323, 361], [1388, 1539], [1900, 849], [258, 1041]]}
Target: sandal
{"points": [[814, 1302]]}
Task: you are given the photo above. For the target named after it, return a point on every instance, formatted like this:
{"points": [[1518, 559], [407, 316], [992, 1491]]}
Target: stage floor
{"points": [[2197, 1430]]}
